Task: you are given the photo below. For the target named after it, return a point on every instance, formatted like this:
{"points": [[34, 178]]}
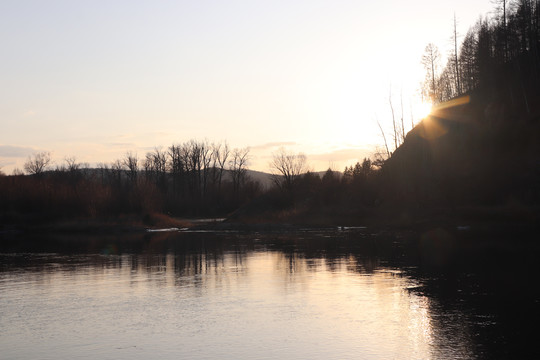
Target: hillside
{"points": [[468, 154], [469, 161]]}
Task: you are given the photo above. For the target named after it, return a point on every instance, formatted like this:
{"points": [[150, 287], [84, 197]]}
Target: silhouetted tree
{"points": [[37, 164], [484, 53], [396, 132], [238, 169], [287, 168], [131, 162], [117, 169], [446, 83], [501, 6], [155, 167], [73, 169], [455, 59], [430, 60], [467, 60], [387, 155], [206, 161], [220, 155], [17, 172]]}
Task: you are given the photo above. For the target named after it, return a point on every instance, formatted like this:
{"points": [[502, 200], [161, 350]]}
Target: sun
{"points": [[421, 109]]}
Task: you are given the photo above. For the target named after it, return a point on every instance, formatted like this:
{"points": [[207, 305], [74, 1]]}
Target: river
{"points": [[302, 294]]}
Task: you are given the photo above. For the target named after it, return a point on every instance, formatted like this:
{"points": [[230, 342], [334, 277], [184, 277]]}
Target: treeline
{"points": [[195, 178], [482, 151], [499, 55], [192, 179], [302, 196]]}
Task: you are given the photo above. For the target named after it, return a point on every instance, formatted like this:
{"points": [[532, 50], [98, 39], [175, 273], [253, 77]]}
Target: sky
{"points": [[97, 79]]}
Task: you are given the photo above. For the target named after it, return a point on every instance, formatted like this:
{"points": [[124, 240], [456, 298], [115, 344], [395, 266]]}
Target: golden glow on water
{"points": [[236, 305]]}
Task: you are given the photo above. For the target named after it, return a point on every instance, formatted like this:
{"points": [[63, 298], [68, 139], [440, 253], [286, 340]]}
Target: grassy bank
{"points": [[117, 224]]}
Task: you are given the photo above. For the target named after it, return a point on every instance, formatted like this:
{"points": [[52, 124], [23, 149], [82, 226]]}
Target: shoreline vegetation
{"points": [[483, 220]]}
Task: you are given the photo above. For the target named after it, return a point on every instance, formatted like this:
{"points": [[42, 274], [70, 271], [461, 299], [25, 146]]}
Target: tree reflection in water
{"points": [[458, 304]]}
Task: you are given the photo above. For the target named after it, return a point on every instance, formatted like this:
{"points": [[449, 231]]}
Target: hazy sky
{"points": [[95, 79]]}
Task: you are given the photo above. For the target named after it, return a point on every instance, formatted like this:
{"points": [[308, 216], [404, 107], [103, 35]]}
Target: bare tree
{"points": [[37, 164], [71, 164], [206, 160], [402, 123], [393, 119], [177, 168], [467, 60], [287, 168], [220, 154], [445, 83], [116, 172], [412, 114], [430, 60], [238, 168], [155, 167], [17, 172], [456, 62], [130, 161], [379, 158], [502, 6], [384, 138], [73, 169]]}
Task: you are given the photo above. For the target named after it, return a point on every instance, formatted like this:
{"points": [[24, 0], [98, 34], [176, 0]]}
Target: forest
{"points": [[497, 56], [477, 155]]}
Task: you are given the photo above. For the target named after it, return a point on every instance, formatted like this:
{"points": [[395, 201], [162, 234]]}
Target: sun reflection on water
{"points": [[232, 304]]}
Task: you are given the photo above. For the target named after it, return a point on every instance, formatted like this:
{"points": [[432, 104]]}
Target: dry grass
{"points": [[308, 216], [118, 224], [157, 220]]}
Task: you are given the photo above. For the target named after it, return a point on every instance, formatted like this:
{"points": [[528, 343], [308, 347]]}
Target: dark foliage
{"points": [[190, 179]]}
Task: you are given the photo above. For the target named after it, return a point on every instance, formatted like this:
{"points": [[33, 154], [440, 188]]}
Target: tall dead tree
{"points": [[456, 62], [430, 61], [238, 168], [502, 6], [402, 115], [384, 138], [393, 119], [220, 155]]}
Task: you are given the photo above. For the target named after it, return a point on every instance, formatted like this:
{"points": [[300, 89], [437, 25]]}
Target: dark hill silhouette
{"points": [[469, 161], [468, 153]]}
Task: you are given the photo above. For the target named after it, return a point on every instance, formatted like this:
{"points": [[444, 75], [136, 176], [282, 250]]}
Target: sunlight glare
{"points": [[422, 109]]}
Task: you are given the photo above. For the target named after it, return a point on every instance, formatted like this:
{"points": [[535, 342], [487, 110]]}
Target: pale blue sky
{"points": [[95, 79]]}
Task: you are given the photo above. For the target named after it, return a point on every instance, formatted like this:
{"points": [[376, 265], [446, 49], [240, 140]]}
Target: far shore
{"points": [[465, 220]]}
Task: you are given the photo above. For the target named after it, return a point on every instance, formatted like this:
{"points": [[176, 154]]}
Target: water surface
{"points": [[306, 295]]}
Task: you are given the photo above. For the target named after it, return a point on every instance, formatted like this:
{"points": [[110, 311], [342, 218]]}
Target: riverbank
{"points": [[381, 220], [107, 225]]}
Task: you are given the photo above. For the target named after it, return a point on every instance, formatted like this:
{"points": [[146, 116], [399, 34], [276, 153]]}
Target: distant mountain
{"points": [[264, 178], [267, 181]]}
